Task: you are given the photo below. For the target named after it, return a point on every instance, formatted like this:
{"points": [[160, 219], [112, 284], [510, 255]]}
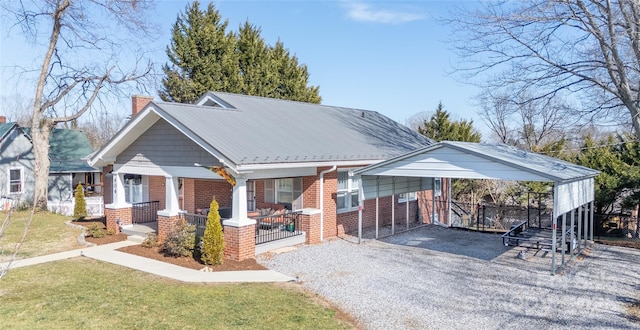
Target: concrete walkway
{"points": [[108, 253]]}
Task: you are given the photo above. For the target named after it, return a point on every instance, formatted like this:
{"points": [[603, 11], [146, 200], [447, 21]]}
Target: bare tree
{"points": [[100, 128], [585, 49], [91, 49], [17, 108], [418, 119], [525, 122]]}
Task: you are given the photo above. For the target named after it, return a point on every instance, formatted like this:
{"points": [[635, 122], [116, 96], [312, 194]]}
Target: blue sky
{"points": [[387, 56]]}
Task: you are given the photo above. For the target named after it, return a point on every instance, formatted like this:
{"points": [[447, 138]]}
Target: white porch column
{"points": [[239, 205], [172, 206], [118, 191]]}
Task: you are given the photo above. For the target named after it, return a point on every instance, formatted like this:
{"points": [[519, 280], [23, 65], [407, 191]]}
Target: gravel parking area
{"points": [[439, 278]]}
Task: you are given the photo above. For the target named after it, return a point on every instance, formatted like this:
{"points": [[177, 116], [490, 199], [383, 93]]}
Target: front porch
{"points": [[272, 231]]}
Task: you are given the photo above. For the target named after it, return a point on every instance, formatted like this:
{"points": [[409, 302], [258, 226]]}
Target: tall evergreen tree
{"points": [[253, 61], [290, 77], [441, 128], [204, 57]]}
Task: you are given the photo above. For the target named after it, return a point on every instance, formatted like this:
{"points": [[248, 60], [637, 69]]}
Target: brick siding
{"points": [[240, 242], [113, 215], [158, 191]]}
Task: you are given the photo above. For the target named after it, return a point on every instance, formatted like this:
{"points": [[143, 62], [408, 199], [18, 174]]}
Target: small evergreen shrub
{"points": [[111, 231], [212, 251], [80, 208], [181, 241], [94, 230], [151, 241]]}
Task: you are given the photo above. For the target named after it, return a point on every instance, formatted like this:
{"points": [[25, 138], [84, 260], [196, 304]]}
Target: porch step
{"points": [[136, 238], [281, 243]]}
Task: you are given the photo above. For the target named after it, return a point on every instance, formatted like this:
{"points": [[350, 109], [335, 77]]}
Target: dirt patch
{"points": [[629, 244], [190, 262]]}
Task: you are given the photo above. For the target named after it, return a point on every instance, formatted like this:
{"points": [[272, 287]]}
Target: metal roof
{"points": [[480, 161], [260, 130], [5, 128]]}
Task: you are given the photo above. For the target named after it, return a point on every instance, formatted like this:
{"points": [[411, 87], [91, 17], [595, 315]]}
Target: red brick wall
{"points": [[348, 221], [188, 188], [240, 242], [112, 216], [310, 224], [166, 226], [158, 191], [199, 193], [441, 204], [206, 189], [329, 202], [310, 191]]}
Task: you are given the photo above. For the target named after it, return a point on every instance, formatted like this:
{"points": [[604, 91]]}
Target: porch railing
{"points": [[277, 226], [198, 220], [144, 212]]}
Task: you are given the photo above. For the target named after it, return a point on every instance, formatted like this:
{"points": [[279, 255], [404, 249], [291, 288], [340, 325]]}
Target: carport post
{"points": [[591, 220], [563, 236], [573, 233], [377, 204], [554, 232], [406, 202], [579, 236], [393, 205], [360, 204]]}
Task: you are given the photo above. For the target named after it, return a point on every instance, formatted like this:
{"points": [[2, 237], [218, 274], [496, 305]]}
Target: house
{"points": [[68, 150], [251, 154]]}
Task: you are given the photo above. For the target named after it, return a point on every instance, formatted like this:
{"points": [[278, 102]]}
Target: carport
{"points": [[573, 185]]}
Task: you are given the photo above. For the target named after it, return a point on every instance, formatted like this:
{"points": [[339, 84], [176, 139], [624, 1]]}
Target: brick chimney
{"points": [[138, 102], [3, 120]]}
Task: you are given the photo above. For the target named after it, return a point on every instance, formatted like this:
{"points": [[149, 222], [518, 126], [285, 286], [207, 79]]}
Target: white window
{"points": [[15, 180], [286, 191], [403, 197], [136, 188], [347, 195], [437, 187]]}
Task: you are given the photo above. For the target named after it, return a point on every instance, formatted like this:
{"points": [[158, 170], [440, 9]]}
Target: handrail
{"points": [[515, 228]]}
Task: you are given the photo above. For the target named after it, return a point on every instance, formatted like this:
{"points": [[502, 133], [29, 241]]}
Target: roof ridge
{"points": [[291, 101]]}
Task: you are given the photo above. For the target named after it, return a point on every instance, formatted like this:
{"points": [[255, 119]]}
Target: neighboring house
{"points": [[282, 154], [68, 152]]}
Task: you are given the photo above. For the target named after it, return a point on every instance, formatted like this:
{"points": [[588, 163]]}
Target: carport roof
{"points": [[479, 161]]}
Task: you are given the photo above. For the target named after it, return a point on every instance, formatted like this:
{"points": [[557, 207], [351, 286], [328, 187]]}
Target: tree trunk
{"points": [[40, 134]]}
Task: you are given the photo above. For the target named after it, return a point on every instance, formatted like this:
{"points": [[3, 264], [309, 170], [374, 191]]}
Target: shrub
{"points": [[151, 241], [94, 230], [111, 231], [80, 208], [213, 239], [181, 241]]}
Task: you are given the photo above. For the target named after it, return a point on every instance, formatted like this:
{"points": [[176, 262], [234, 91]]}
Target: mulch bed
{"points": [[156, 254], [190, 262], [106, 239]]}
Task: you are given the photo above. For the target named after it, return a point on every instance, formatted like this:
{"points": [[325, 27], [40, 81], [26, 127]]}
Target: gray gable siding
{"points": [[16, 151], [162, 144]]}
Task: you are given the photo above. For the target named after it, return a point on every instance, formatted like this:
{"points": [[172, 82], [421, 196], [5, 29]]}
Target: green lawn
{"points": [[47, 234], [83, 293]]}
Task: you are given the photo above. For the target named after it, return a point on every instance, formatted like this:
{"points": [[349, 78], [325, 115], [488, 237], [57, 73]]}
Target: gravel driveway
{"points": [[438, 278]]}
